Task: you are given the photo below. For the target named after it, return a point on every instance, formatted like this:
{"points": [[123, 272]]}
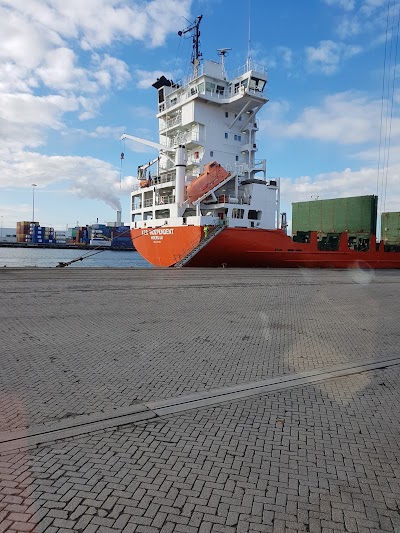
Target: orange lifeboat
{"points": [[213, 175]]}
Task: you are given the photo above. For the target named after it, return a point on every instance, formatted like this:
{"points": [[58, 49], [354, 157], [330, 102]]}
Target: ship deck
{"points": [[199, 400]]}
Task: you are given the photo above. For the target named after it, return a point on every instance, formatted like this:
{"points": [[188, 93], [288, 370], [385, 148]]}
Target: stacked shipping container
{"points": [[352, 215], [24, 230], [390, 228], [121, 238]]}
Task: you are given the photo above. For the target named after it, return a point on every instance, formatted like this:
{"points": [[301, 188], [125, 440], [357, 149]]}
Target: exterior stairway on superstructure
{"points": [[216, 231]]}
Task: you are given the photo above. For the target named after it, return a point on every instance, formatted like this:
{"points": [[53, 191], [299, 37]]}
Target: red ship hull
{"points": [[253, 248]]}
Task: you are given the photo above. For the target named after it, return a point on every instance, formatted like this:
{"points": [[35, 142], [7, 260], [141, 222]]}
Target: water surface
{"points": [[50, 257]]}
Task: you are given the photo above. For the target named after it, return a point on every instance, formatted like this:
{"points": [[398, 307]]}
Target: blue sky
{"points": [[75, 75]]}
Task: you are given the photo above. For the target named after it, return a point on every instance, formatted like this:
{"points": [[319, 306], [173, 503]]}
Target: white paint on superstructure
{"points": [[209, 118]]}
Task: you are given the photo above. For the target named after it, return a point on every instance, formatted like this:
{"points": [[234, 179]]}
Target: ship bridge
{"points": [[212, 85]]}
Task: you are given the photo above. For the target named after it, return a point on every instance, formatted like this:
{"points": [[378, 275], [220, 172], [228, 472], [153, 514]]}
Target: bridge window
{"points": [[237, 213], [257, 84], [254, 215]]}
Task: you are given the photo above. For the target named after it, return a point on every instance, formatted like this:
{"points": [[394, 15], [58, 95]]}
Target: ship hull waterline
{"points": [[250, 248]]}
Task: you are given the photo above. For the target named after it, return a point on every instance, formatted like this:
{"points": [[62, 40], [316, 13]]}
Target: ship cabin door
{"points": [[223, 214]]}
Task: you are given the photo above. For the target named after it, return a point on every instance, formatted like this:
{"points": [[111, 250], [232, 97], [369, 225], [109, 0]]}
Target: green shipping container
{"points": [[355, 215], [390, 228]]}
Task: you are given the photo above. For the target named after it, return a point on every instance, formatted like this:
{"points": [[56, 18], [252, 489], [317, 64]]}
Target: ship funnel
{"points": [[118, 218]]}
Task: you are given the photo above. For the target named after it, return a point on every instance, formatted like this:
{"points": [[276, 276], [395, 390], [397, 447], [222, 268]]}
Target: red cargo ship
{"points": [[206, 201]]}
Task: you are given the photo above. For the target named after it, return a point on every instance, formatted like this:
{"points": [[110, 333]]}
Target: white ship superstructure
{"points": [[206, 118]]}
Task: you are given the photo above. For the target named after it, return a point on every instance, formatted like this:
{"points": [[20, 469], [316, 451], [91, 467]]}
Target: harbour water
{"points": [[50, 257]]}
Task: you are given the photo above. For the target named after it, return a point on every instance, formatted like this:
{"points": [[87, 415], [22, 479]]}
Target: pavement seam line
{"points": [[14, 440]]}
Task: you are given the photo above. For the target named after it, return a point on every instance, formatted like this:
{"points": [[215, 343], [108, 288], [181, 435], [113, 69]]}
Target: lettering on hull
{"points": [[158, 231]]}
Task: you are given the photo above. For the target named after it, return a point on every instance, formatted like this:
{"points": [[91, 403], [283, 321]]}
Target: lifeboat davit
{"points": [[212, 176]]}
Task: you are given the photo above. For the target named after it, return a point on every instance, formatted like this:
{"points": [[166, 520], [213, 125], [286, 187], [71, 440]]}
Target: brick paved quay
{"points": [[321, 457]]}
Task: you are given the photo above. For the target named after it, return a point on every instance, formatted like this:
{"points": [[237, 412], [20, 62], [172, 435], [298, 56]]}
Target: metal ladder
{"points": [[216, 231]]}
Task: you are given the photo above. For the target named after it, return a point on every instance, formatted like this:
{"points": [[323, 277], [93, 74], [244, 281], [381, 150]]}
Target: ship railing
{"points": [[158, 180], [260, 164], [196, 245], [186, 138], [237, 169], [148, 202], [250, 65], [176, 121], [165, 199], [193, 161]]}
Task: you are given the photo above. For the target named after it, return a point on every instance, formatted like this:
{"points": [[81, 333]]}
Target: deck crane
{"points": [[164, 149], [179, 160], [141, 171]]}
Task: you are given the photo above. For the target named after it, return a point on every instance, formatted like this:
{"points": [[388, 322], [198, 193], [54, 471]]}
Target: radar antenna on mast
{"points": [[223, 52], [196, 54]]}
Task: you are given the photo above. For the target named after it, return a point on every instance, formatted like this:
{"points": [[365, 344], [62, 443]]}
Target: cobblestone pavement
{"points": [[81, 341], [320, 458], [324, 457]]}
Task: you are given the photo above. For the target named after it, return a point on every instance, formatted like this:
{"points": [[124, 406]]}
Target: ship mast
{"points": [[196, 54], [248, 61]]}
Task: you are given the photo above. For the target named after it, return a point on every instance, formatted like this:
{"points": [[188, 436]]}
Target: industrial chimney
{"points": [[118, 219]]}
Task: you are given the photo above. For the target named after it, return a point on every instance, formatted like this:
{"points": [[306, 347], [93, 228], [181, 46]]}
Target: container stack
{"points": [[81, 234], [121, 239], [41, 234], [60, 237], [390, 230], [355, 216], [24, 230]]}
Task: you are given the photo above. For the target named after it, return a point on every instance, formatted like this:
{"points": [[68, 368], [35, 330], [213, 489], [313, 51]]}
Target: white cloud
{"points": [[111, 71], [103, 132], [286, 55], [341, 118], [370, 6], [348, 119], [52, 62], [347, 182], [84, 176], [347, 5], [99, 22], [327, 57], [369, 17], [349, 27], [59, 71], [26, 109]]}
